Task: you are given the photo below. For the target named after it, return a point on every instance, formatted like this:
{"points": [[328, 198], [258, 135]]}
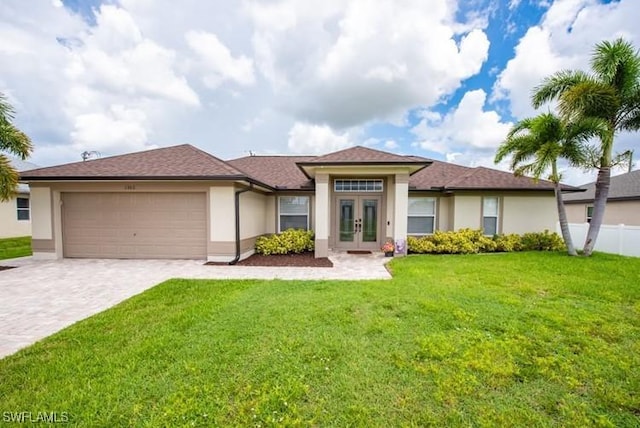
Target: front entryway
{"points": [[358, 222]]}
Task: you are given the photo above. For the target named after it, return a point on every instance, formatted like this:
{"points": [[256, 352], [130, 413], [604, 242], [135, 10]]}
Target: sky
{"points": [[443, 79]]}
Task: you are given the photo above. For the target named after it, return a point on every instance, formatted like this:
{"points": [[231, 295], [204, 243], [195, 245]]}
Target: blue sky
{"points": [[444, 79]]}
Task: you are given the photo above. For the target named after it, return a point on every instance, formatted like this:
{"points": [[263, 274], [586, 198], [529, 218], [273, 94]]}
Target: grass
{"points": [[531, 339], [15, 247]]}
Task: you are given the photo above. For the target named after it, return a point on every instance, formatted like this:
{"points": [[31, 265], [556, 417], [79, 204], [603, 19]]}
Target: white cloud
{"points": [[563, 40], [467, 127], [217, 59], [120, 128], [346, 65], [390, 145], [307, 138]]}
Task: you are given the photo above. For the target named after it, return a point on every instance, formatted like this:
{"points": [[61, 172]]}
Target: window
{"points": [[422, 216], [357, 185], [23, 208], [293, 212], [490, 215], [589, 214]]}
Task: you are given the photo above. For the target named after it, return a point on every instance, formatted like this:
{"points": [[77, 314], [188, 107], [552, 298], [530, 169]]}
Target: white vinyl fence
{"points": [[616, 239]]}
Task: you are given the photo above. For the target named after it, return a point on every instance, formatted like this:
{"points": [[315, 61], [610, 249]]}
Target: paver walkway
{"points": [[40, 298]]}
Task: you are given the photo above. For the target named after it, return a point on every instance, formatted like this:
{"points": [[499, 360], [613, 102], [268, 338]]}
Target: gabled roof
{"points": [[623, 187], [362, 155], [184, 161], [358, 157], [280, 172]]}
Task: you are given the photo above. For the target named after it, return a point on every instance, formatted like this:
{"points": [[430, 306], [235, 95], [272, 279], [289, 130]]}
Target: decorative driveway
{"points": [[39, 298]]}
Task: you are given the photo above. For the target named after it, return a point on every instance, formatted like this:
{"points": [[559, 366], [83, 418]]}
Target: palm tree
{"points": [[14, 141], [610, 93], [535, 145]]}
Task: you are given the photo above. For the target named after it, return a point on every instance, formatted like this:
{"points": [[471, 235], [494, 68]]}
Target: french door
{"points": [[358, 222]]}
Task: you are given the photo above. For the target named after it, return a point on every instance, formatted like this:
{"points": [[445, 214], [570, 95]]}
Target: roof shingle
{"points": [[623, 186], [277, 171], [359, 154], [183, 161]]}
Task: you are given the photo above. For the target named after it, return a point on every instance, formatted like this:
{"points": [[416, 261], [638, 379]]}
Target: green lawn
{"points": [[528, 339], [15, 247]]}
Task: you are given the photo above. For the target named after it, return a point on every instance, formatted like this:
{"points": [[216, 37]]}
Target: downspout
{"points": [[237, 206]]}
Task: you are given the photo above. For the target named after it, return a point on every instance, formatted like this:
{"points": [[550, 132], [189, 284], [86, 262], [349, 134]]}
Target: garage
{"points": [[134, 225]]}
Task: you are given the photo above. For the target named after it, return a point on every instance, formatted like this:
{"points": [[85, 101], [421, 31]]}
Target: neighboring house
{"points": [[15, 214], [180, 202], [623, 202]]}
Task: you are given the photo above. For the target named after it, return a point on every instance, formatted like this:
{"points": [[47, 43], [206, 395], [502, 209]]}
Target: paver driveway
{"points": [[41, 297]]}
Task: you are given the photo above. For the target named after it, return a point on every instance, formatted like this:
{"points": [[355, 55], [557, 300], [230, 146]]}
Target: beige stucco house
{"points": [[181, 202], [15, 214], [623, 201]]}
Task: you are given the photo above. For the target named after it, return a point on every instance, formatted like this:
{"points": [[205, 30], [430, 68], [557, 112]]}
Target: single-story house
{"points": [[15, 214], [181, 202], [623, 201]]}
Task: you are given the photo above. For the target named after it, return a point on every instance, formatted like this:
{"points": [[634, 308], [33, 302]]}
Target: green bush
{"points": [[289, 241], [544, 241], [508, 243], [469, 241]]}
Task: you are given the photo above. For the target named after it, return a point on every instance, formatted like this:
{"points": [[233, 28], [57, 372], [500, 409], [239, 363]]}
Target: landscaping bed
{"points": [[305, 259]]}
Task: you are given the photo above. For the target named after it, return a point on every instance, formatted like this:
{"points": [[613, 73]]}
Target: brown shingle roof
{"points": [[282, 172], [623, 186], [277, 171], [447, 176], [359, 154], [184, 161]]}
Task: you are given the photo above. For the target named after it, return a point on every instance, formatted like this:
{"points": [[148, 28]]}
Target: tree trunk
{"points": [[562, 217], [599, 204]]}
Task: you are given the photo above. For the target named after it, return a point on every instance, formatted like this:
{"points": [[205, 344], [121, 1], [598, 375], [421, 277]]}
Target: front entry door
{"points": [[358, 222]]}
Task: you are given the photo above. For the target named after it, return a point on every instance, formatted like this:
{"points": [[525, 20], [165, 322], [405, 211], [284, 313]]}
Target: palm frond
{"points": [[631, 122], [553, 86], [589, 99], [14, 141], [617, 64], [8, 179], [6, 111]]}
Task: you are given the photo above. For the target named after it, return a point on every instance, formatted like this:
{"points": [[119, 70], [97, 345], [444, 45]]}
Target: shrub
{"points": [[464, 241], [421, 245], [508, 243], [543, 241], [468, 241], [289, 241]]}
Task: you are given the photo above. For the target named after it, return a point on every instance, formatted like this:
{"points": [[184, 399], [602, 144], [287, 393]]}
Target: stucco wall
{"points": [[534, 213], [576, 213], [253, 209], [222, 214], [10, 226], [617, 212], [467, 212]]}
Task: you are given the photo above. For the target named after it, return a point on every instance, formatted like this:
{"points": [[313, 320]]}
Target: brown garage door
{"points": [[134, 225]]}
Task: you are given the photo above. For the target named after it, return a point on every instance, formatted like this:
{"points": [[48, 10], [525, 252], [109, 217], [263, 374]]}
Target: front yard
{"points": [[527, 339], [15, 247]]}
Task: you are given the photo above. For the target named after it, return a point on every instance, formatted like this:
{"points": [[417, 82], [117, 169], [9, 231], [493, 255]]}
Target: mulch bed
{"points": [[6, 267], [291, 260]]}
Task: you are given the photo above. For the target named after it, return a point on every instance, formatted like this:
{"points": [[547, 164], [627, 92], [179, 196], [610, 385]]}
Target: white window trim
{"points": [[281, 213], [28, 209], [435, 216], [586, 213], [359, 180], [497, 216]]}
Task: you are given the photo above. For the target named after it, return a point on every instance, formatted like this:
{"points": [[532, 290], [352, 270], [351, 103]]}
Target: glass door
{"points": [[358, 222]]}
